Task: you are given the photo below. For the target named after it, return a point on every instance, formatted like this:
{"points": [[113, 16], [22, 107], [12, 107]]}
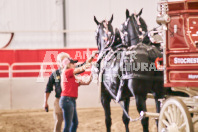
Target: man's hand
{"points": [[46, 107], [92, 56]]}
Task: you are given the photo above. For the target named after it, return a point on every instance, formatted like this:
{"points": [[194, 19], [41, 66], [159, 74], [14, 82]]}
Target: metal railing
{"points": [[41, 70], [37, 67], [5, 71], [10, 70]]}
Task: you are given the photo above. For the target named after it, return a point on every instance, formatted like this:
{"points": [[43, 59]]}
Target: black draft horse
{"points": [[108, 44], [146, 78], [138, 75]]}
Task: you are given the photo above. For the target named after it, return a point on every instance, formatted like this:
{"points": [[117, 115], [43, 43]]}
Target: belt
{"points": [[71, 97]]}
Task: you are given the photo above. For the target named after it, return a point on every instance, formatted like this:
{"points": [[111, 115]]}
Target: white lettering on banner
{"points": [[185, 60], [192, 76]]}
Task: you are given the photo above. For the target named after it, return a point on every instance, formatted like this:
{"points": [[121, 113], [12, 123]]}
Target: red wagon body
{"points": [[182, 45]]}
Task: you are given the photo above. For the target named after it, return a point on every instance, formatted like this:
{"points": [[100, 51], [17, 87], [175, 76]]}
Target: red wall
{"points": [[39, 55]]}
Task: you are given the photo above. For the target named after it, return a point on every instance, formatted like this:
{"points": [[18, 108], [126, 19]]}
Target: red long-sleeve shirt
{"points": [[70, 84]]}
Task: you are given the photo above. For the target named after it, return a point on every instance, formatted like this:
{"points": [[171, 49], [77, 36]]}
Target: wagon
{"points": [[179, 20]]}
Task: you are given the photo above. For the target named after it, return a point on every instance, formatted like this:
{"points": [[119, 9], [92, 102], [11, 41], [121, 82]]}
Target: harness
{"points": [[141, 76]]}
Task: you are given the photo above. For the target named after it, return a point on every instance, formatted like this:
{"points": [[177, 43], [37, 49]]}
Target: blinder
{"points": [[124, 34]]}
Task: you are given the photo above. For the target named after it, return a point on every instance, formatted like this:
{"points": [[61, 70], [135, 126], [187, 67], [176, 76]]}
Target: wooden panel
{"points": [[193, 30], [193, 5], [183, 76], [184, 60], [176, 6], [177, 41]]}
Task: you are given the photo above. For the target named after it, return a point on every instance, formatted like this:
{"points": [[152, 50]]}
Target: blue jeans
{"points": [[70, 116]]}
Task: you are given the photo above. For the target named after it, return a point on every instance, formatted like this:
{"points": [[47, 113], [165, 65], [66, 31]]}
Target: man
{"points": [[54, 80]]}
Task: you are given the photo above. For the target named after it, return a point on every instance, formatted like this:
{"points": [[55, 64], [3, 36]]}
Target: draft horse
{"points": [[110, 47], [146, 78]]}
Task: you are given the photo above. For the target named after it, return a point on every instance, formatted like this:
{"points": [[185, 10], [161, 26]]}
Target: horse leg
{"points": [[106, 105], [141, 106], [158, 94], [124, 117], [157, 104], [138, 90]]}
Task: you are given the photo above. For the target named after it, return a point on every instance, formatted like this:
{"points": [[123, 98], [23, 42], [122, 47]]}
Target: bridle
{"points": [[107, 34], [137, 29]]}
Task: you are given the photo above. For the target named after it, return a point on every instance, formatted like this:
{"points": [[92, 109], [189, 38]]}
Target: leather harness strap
{"points": [[141, 76]]}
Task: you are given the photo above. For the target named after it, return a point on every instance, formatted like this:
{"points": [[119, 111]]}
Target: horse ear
{"points": [[127, 13], [140, 13], [110, 21], [96, 21]]}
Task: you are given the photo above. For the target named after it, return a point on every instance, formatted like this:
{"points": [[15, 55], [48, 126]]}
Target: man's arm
{"points": [[48, 90], [46, 96], [89, 60], [82, 67]]}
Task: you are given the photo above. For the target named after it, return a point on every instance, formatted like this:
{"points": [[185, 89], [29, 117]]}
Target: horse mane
{"points": [[143, 24], [146, 39]]}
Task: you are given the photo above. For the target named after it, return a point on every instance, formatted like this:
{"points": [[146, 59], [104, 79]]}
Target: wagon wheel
{"points": [[175, 117]]}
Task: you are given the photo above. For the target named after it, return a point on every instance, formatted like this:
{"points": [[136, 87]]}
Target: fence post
{"points": [[10, 82]]}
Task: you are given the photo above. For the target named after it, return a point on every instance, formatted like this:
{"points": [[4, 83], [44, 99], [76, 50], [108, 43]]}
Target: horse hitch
{"points": [[149, 114]]}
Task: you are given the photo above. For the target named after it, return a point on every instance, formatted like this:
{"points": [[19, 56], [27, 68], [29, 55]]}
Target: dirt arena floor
{"points": [[90, 120]]}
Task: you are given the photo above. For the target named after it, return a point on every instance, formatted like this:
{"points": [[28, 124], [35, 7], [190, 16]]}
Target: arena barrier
{"points": [[28, 92], [22, 92], [23, 81]]}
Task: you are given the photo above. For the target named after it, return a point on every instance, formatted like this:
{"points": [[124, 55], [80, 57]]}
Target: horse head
{"points": [[133, 28], [104, 33]]}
